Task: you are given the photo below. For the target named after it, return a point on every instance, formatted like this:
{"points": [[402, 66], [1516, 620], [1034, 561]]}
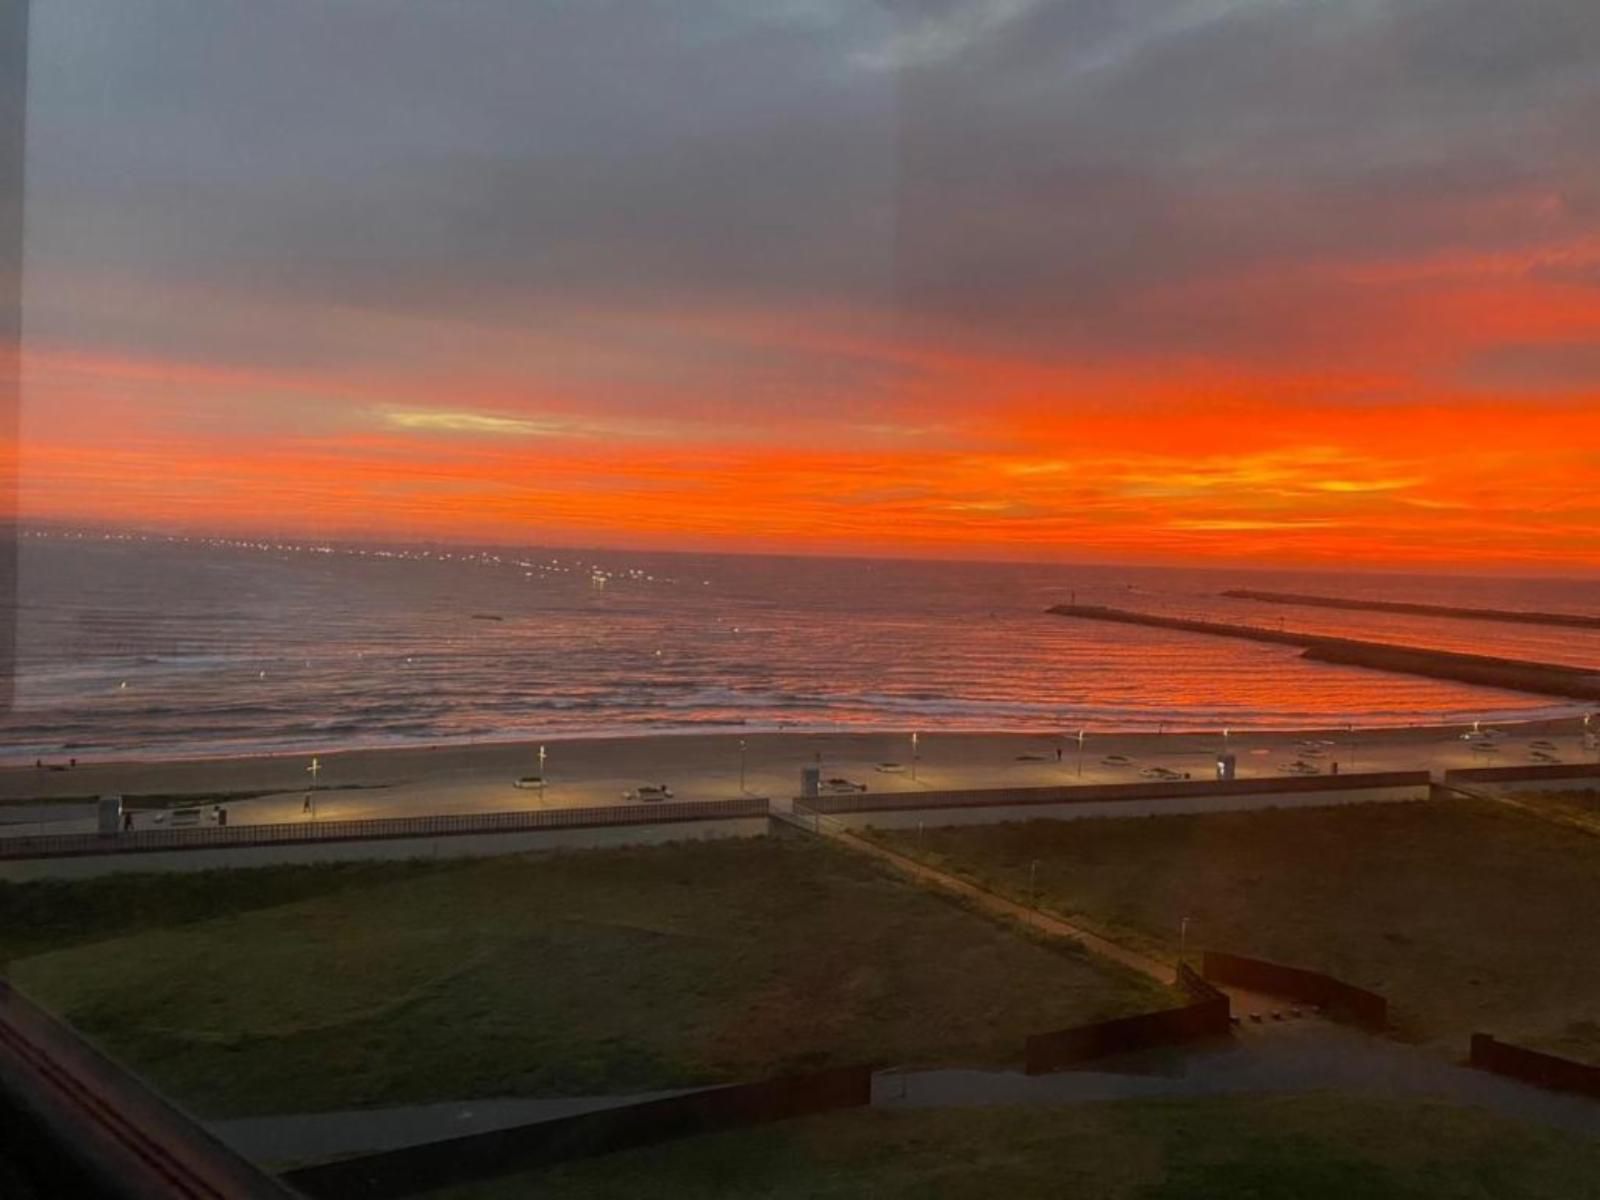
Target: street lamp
{"points": [[541, 772], [314, 770], [1183, 941], [741, 766], [1080, 754], [914, 737]]}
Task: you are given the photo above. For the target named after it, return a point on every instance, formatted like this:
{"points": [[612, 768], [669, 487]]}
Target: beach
{"points": [[581, 772]]}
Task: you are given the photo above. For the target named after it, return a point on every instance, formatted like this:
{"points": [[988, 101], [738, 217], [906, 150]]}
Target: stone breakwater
{"points": [[1516, 616], [1545, 679]]}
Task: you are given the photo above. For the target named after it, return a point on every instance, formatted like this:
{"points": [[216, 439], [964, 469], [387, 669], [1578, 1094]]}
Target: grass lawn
{"points": [[1466, 914], [1304, 1148], [1581, 803], [609, 971]]}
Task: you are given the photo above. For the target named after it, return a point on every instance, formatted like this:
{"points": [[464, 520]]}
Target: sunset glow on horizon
{"points": [[1214, 283]]}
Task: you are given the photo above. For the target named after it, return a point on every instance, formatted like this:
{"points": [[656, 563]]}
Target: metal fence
{"points": [[67, 845]]}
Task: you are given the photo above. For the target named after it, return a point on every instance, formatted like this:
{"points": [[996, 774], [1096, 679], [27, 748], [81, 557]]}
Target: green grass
{"points": [[1466, 914], [54, 914], [589, 972], [1277, 1148], [1572, 802]]}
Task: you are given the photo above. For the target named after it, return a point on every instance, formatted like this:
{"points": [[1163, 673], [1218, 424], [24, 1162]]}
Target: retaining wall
{"points": [[424, 1168], [483, 845], [1550, 777], [900, 810], [1208, 1015], [1533, 1066], [1342, 1001]]}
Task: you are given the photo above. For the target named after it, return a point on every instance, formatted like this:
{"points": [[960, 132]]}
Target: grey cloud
{"points": [[1032, 173], [1553, 367]]}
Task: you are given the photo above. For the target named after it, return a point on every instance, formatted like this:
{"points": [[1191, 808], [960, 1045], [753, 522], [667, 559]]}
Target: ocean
{"points": [[156, 647]]}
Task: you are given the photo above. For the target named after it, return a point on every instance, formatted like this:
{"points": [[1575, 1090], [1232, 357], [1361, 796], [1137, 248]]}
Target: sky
{"points": [[1273, 282]]}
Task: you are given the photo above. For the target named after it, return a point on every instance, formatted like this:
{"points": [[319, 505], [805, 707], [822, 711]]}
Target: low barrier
{"points": [[1208, 1015], [70, 845], [864, 802], [1343, 1001], [1534, 1066], [424, 1168], [1548, 775]]}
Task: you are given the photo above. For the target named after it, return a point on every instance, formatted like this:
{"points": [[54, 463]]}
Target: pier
{"points": [[1520, 616], [1544, 679]]}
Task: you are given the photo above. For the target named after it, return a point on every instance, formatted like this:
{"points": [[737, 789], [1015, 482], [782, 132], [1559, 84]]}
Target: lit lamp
{"points": [[541, 772], [313, 770], [914, 738]]}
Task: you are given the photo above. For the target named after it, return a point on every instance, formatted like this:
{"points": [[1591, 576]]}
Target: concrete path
{"points": [[1297, 1057], [315, 1137], [1293, 1057]]}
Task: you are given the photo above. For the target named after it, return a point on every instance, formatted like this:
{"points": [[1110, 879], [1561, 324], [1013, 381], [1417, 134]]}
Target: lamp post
{"points": [[914, 739], [541, 772], [1080, 754], [1183, 941], [314, 770], [741, 766], [1350, 736]]}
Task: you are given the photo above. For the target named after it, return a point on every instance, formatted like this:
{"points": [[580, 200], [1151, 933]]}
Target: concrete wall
{"points": [[911, 818], [485, 845], [433, 1165], [1552, 777]]}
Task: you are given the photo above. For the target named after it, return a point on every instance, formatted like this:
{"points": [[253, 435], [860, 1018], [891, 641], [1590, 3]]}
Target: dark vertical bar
{"points": [[13, 130]]}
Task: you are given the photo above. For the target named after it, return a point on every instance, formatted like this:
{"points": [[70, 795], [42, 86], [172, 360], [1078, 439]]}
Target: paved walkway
{"points": [[1292, 1057], [1279, 1058], [313, 1137]]}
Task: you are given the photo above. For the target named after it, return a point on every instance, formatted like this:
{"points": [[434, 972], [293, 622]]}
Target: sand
{"points": [[592, 771]]}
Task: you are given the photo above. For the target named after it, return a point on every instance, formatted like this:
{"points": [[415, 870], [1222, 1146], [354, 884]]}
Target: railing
{"points": [[146, 841], [1092, 793]]}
